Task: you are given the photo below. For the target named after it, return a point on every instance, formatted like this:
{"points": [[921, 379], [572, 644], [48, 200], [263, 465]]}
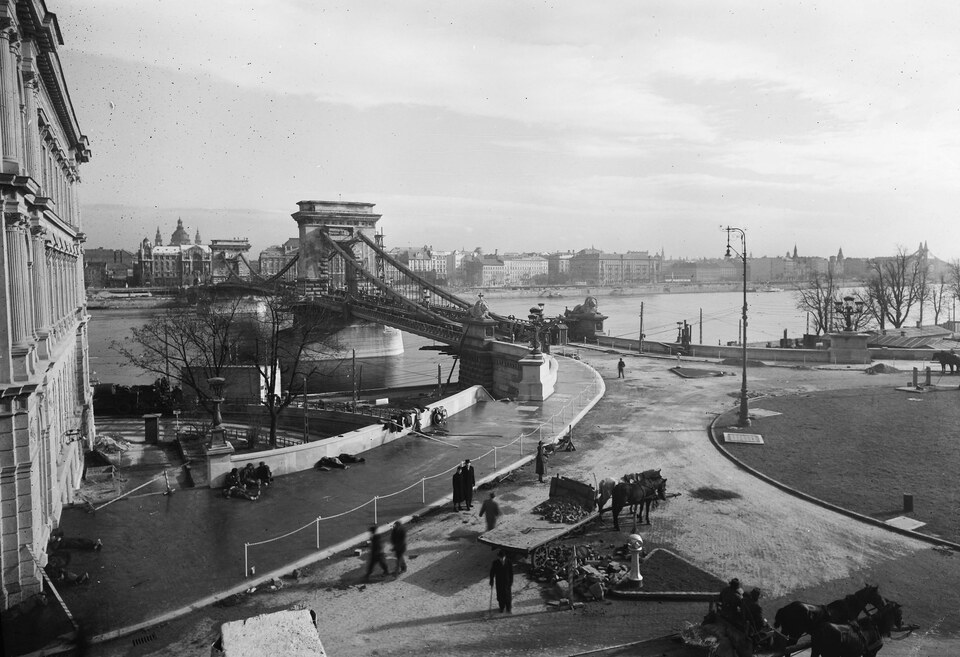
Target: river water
{"points": [[769, 313]]}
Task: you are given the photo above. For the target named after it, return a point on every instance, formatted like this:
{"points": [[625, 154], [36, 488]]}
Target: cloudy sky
{"points": [[524, 125]]}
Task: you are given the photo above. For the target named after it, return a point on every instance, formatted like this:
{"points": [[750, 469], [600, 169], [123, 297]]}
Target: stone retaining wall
{"points": [[303, 457]]}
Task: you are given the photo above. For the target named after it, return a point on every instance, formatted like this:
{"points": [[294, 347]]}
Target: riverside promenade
{"points": [[166, 555]]}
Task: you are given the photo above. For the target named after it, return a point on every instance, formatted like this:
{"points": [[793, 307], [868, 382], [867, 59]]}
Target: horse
{"points": [[799, 618], [862, 638], [607, 484], [644, 492], [946, 358]]}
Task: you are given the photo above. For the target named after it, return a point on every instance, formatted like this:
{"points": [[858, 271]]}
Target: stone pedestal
{"points": [[218, 463], [849, 348], [538, 376]]}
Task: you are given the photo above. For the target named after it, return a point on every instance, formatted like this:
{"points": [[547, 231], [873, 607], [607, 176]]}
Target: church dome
{"points": [[179, 237]]}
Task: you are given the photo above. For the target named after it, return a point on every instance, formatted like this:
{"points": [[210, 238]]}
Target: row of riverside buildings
{"points": [[185, 262]]}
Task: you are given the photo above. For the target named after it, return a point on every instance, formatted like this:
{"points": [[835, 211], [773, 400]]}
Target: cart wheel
{"points": [[538, 558]]}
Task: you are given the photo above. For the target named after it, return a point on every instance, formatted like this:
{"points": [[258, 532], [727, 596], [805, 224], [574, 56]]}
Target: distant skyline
{"points": [[524, 127]]}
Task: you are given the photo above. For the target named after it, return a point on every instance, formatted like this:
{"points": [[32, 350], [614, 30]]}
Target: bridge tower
{"points": [[319, 271]]}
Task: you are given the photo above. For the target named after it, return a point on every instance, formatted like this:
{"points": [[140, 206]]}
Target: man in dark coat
{"points": [[501, 575], [491, 510], [398, 539], [458, 488], [540, 466], [620, 367], [376, 555], [468, 482]]}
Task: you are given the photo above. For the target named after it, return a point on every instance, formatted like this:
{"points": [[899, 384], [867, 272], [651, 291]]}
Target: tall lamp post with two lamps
{"points": [[743, 419]]}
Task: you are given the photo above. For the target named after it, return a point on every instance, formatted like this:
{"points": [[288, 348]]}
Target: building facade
{"points": [[595, 267], [227, 259], [108, 267], [46, 417], [524, 269], [275, 259]]}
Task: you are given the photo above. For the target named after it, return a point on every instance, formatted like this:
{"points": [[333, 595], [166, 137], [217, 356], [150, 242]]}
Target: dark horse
{"points": [[799, 618], [946, 358], [607, 484], [644, 492], [862, 638]]}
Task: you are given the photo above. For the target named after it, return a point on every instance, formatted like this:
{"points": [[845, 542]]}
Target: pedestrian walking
{"points": [[398, 539], [458, 488], [540, 467], [376, 555], [468, 482], [620, 367], [501, 576], [490, 510]]}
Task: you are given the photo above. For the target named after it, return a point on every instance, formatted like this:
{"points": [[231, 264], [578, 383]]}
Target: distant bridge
{"points": [[342, 268], [392, 295]]}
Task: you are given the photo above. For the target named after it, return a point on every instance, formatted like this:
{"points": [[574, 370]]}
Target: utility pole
{"points": [[354, 380], [641, 327]]}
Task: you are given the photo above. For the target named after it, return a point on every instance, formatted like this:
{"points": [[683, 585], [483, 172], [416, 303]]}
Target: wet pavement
{"points": [[165, 554]]}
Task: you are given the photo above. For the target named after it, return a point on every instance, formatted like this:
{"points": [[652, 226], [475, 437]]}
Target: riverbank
{"points": [[581, 291]]}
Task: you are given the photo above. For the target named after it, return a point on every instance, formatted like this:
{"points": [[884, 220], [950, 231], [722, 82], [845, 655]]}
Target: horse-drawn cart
{"points": [[571, 505]]}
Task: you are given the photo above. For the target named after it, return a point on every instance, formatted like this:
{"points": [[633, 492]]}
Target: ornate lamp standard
{"points": [[848, 309], [744, 417], [537, 321], [217, 432]]}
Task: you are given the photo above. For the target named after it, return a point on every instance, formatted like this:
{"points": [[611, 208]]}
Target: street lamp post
{"points": [[744, 416]]}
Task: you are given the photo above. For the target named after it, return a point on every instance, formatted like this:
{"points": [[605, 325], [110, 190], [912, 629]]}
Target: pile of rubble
{"points": [[561, 510], [590, 570]]}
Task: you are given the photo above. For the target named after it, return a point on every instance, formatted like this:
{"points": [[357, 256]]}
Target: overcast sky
{"points": [[524, 126]]}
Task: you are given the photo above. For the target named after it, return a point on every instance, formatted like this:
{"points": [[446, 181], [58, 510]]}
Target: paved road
{"points": [[650, 419], [165, 552]]}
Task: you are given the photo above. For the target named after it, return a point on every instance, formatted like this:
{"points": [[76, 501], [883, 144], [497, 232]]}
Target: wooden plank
{"points": [[525, 534]]}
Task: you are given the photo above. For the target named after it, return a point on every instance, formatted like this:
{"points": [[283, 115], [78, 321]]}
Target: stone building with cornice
{"points": [[46, 415]]}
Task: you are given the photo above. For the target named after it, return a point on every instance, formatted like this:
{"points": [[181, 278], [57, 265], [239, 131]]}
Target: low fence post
{"points": [[318, 532], [495, 457], [246, 560], [423, 490], [375, 498]]}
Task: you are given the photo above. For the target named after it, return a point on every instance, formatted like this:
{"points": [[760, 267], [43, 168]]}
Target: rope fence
{"points": [[558, 419]]}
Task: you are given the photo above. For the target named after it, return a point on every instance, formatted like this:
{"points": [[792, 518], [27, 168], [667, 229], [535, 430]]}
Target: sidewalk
{"points": [[164, 555]]}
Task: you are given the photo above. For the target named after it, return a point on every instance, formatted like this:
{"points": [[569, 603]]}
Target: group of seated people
{"points": [[247, 483], [742, 611]]}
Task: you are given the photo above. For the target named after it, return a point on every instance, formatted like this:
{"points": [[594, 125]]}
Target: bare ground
{"points": [[744, 527]]}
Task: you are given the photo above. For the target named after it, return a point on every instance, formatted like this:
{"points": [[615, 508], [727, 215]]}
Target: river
{"points": [[769, 313]]}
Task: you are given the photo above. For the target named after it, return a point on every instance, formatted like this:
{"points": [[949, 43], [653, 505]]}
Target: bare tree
{"points": [[939, 294], [270, 334], [892, 288], [816, 297], [924, 286], [186, 344], [279, 342], [953, 278]]}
